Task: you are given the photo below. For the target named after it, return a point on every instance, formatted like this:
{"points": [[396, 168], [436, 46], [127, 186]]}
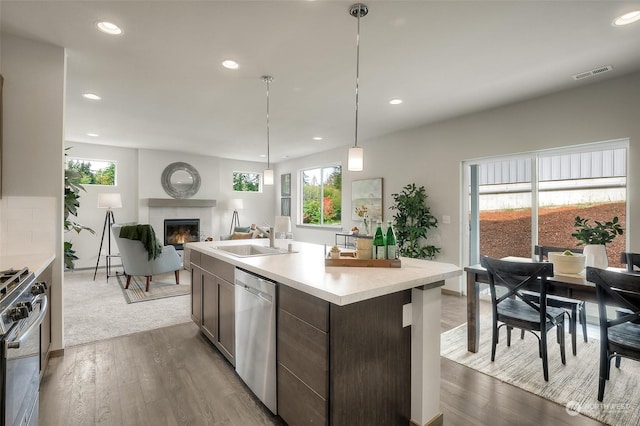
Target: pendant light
{"points": [[267, 175], [355, 161]]}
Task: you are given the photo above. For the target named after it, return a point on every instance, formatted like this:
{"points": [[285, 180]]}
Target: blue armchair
{"points": [[135, 259]]}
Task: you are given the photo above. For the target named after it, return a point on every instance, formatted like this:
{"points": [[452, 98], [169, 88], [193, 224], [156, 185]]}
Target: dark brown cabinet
{"points": [[213, 308], [343, 364], [196, 287]]}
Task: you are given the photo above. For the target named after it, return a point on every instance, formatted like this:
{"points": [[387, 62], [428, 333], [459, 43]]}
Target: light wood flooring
{"points": [[173, 376]]}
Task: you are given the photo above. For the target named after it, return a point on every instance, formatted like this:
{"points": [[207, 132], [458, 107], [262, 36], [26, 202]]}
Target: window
{"points": [[246, 182], [530, 199], [322, 195], [93, 172]]}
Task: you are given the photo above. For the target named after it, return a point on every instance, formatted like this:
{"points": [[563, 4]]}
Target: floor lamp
{"points": [[109, 201], [235, 204]]}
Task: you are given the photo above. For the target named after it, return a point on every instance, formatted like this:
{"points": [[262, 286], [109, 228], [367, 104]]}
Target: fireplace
{"points": [[180, 231]]}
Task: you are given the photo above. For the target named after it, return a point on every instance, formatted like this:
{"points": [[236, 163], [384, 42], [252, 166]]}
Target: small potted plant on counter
{"points": [[595, 237]]}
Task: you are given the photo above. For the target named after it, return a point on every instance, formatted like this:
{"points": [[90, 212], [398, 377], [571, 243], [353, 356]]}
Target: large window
{"points": [[322, 195], [246, 182], [93, 172], [517, 202]]}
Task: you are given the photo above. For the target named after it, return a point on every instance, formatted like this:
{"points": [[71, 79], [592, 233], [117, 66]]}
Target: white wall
{"points": [[432, 155], [139, 178], [32, 163], [85, 243]]}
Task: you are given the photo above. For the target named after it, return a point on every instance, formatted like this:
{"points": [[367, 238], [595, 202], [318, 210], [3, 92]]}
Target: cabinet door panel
{"points": [[304, 350], [304, 306], [210, 306], [297, 403], [196, 294], [226, 318]]}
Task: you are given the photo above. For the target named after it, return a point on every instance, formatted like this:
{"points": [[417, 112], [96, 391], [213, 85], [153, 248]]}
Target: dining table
{"points": [[574, 286]]}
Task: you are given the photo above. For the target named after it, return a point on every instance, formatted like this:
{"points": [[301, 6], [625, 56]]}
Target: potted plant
{"points": [[595, 237], [412, 222], [72, 188]]}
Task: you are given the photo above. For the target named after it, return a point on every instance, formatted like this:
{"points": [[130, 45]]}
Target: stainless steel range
{"points": [[23, 306]]}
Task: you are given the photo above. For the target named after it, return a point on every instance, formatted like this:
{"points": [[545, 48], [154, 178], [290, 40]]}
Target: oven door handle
{"points": [[44, 302]]}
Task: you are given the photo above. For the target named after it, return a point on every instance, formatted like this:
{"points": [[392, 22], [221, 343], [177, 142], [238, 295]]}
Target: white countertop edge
{"points": [[36, 263], [449, 271]]}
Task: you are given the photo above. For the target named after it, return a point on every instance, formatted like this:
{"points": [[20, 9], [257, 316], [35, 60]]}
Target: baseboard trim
{"points": [[437, 420], [451, 292], [56, 353]]}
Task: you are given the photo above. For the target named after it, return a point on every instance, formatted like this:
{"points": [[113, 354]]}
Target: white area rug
{"points": [[96, 310], [574, 385], [157, 289]]}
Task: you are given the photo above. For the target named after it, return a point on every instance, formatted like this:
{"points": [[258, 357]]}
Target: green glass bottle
{"points": [[392, 251], [379, 249]]}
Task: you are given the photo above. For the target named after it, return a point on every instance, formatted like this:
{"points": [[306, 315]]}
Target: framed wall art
{"points": [[285, 185], [366, 196], [285, 206]]}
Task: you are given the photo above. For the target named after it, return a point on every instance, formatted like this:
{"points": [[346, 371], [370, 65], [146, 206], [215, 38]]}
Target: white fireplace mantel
{"points": [[180, 202]]}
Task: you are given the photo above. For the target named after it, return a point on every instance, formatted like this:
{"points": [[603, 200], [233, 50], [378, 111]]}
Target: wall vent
{"points": [[592, 72]]}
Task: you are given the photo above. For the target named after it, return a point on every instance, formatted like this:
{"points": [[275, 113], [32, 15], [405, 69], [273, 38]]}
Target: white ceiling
{"points": [[163, 86]]}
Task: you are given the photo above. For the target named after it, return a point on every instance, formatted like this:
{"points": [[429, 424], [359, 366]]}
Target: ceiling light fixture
{"points": [[230, 64], [267, 176], [627, 18], [93, 135], [355, 162], [108, 28], [395, 101], [317, 138], [91, 96]]}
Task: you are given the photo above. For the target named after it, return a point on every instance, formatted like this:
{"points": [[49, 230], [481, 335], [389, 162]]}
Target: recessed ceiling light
{"points": [[91, 96], [93, 135], [627, 18], [230, 64], [395, 101], [317, 138], [108, 28], [262, 155]]}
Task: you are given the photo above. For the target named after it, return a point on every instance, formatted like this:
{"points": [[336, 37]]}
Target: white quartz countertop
{"points": [[36, 263], [305, 270]]}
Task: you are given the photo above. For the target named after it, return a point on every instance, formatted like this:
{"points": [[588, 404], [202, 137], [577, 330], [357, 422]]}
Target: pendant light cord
{"points": [[357, 75], [268, 79]]}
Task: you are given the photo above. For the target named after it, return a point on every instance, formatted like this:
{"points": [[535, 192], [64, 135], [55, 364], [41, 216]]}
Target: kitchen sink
{"points": [[248, 250]]}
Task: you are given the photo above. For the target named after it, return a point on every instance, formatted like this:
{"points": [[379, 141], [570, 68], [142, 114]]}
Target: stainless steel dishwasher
{"points": [[256, 335]]}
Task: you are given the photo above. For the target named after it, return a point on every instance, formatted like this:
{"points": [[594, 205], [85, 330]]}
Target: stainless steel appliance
{"points": [[23, 306], [256, 335]]}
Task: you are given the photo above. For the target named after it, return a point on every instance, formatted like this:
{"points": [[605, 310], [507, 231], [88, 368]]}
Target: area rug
{"points": [[157, 290], [574, 385]]}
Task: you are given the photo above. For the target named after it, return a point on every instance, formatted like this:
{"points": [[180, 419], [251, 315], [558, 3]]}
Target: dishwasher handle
{"points": [[264, 296]]}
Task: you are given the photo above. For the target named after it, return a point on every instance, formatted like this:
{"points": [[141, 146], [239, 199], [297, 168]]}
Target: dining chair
{"points": [[619, 337], [632, 260], [576, 309], [513, 310]]}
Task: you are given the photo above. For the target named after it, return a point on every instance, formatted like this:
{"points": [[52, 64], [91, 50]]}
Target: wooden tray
{"points": [[363, 263]]}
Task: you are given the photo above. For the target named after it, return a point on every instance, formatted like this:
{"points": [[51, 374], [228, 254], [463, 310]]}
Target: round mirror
{"points": [[180, 180]]}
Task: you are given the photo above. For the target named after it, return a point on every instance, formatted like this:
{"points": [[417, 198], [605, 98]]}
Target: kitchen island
{"points": [[376, 368]]}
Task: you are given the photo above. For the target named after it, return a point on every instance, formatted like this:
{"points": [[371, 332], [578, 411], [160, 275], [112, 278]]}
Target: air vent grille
{"points": [[593, 72]]}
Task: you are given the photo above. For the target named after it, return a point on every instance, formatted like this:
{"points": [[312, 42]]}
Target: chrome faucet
{"points": [[272, 237]]}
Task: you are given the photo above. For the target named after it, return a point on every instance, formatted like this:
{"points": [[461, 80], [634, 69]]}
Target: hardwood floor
{"points": [[173, 376]]}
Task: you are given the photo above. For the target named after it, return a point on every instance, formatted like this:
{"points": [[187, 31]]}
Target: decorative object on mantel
{"points": [[267, 175], [180, 180], [594, 238], [412, 222], [109, 201], [235, 204], [355, 162], [180, 202], [366, 202]]}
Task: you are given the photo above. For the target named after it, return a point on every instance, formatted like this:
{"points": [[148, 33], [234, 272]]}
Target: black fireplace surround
{"points": [[180, 231]]}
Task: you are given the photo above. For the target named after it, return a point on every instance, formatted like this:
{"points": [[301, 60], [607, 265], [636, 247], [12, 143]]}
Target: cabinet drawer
{"points": [[304, 306], [194, 257], [304, 350], [297, 403], [218, 267]]}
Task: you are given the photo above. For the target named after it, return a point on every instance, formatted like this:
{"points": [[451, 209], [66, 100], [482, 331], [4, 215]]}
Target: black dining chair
{"points": [[632, 260], [514, 310], [576, 309], [619, 337]]}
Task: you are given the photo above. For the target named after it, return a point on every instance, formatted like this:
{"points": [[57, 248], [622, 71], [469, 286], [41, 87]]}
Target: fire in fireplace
{"points": [[180, 231]]}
